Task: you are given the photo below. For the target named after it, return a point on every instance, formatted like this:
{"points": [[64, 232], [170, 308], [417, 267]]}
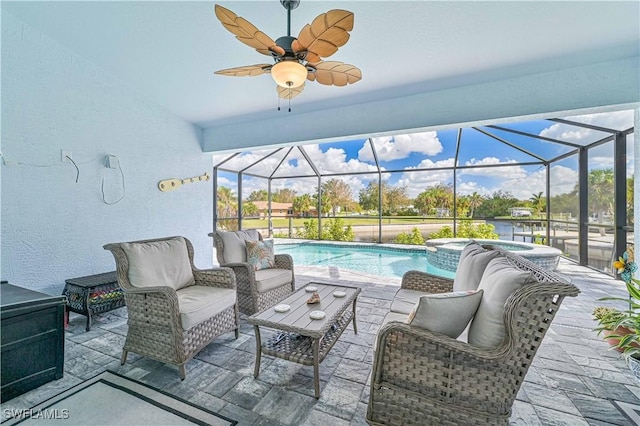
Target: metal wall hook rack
{"points": [[171, 184]]}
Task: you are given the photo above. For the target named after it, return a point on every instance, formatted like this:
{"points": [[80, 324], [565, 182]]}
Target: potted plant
{"points": [[624, 326], [607, 317]]}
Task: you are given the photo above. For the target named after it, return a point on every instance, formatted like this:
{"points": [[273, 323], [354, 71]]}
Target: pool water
{"points": [[381, 261]]}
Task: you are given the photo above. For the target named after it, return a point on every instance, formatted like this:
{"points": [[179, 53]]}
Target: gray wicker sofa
{"points": [[422, 376]]}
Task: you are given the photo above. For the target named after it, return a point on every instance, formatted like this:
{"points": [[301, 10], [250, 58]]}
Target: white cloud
{"points": [[618, 120], [503, 172], [468, 188], [601, 162], [418, 181], [334, 160], [391, 148], [563, 180]]}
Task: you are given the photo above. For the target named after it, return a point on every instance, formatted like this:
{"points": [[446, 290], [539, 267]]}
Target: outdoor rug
{"points": [[112, 399]]}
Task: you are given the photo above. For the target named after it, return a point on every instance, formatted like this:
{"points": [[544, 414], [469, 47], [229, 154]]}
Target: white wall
{"points": [[54, 228]]}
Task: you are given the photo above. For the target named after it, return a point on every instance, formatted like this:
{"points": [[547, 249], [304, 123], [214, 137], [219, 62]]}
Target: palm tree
{"points": [[302, 204], [226, 202], [601, 190], [249, 209], [537, 202], [475, 201]]}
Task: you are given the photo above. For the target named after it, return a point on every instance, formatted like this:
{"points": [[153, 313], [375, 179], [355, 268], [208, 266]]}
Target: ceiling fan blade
{"points": [[246, 71], [289, 93], [244, 30], [326, 33], [334, 73]]}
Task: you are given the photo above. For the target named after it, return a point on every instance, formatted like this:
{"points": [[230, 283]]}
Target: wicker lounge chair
{"points": [[257, 290], [174, 309], [421, 377]]}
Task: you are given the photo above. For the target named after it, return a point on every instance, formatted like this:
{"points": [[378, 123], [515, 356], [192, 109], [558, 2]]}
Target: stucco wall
{"points": [[52, 227]]}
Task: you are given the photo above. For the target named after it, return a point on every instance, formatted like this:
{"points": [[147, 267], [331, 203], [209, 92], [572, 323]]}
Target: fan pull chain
{"points": [[289, 98], [278, 103]]}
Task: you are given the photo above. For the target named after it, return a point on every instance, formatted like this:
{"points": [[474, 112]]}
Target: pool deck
{"points": [[574, 379]]}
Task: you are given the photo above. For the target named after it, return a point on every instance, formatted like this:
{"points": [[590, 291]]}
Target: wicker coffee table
{"points": [[305, 340]]}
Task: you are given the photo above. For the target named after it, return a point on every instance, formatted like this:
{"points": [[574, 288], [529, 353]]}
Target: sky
{"points": [[436, 149]]}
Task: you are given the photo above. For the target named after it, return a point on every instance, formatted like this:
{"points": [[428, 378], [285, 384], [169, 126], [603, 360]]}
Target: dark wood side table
{"points": [[93, 294], [32, 330]]}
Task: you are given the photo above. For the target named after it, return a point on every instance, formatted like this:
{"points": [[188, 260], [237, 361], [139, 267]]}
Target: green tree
{"points": [[437, 196], [475, 201], [497, 205], [260, 195], [249, 209], [565, 204], [326, 205], [425, 202], [443, 195], [302, 204], [396, 198], [226, 202], [368, 197], [285, 195], [601, 189], [463, 206], [538, 202], [338, 194]]}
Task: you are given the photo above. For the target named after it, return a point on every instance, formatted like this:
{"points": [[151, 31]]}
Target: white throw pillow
{"points": [[473, 261], [235, 249], [159, 263], [500, 280], [445, 313]]}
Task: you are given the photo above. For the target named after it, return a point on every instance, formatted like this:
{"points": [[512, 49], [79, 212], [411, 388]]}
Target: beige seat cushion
{"points": [[159, 263], [445, 313], [391, 316], [405, 300], [473, 261], [268, 279], [500, 280], [199, 303], [235, 249]]}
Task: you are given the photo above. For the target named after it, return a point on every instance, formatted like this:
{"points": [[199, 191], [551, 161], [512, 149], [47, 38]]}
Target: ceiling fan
{"points": [[296, 59]]}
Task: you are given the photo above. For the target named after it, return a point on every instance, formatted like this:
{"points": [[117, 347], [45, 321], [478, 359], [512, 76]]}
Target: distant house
{"points": [[277, 209]]}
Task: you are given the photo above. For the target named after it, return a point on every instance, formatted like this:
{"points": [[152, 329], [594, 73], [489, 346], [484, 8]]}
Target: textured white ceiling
{"points": [[169, 50]]}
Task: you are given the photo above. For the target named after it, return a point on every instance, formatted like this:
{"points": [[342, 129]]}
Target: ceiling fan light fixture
{"points": [[289, 74]]}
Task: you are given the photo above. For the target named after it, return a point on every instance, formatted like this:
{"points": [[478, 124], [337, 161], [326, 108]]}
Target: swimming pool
{"points": [[375, 260]]}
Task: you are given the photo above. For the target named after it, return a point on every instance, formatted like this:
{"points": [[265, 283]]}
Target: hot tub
{"points": [[444, 253]]}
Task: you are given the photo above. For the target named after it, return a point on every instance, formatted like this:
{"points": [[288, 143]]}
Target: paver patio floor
{"points": [[574, 380]]}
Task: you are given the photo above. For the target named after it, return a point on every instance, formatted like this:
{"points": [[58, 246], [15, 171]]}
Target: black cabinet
{"points": [[32, 336]]}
